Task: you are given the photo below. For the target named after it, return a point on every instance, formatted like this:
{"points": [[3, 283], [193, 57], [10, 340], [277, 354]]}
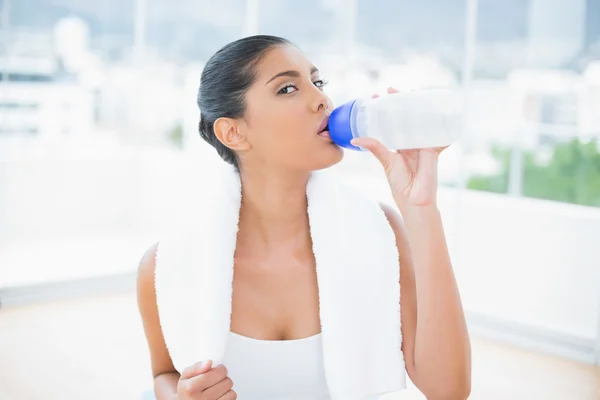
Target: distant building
{"points": [[590, 101], [556, 32], [34, 103], [592, 23], [142, 102]]}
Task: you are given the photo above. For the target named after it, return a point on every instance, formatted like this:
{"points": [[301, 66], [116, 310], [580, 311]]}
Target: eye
{"points": [[320, 83], [287, 89]]}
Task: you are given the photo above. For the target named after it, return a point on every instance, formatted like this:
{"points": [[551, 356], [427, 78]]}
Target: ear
{"points": [[228, 133]]}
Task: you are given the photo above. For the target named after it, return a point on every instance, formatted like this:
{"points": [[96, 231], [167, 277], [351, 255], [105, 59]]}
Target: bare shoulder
{"points": [[148, 309], [402, 243], [147, 265], [146, 294], [145, 277], [395, 220]]}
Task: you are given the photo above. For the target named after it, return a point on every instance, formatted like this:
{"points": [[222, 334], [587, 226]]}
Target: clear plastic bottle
{"points": [[406, 120]]}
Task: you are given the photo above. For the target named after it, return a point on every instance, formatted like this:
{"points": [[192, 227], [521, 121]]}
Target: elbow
{"points": [[457, 391], [461, 393], [457, 388], [449, 379]]}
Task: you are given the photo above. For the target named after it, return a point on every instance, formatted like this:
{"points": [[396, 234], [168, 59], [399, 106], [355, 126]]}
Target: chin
{"points": [[328, 158]]}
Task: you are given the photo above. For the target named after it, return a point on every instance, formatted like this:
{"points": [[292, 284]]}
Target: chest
{"points": [[276, 299]]}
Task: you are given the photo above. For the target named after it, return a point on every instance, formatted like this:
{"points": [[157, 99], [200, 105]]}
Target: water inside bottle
{"points": [[411, 120]]}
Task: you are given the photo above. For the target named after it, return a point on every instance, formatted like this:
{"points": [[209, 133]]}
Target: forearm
{"points": [[165, 386], [442, 354]]}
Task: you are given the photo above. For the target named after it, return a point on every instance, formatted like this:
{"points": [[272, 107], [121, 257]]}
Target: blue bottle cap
{"points": [[340, 126]]}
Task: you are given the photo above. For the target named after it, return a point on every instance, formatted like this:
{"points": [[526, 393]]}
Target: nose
{"points": [[321, 102]]}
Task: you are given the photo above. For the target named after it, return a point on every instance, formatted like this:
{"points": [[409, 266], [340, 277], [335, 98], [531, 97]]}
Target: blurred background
{"points": [[98, 121]]}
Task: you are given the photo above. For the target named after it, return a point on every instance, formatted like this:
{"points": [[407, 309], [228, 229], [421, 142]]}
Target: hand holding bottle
{"points": [[412, 174]]}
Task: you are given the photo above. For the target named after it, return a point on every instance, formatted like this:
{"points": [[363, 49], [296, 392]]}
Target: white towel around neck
{"points": [[357, 273]]}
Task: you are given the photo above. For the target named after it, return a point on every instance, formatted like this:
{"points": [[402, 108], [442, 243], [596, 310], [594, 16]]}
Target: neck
{"points": [[273, 213]]}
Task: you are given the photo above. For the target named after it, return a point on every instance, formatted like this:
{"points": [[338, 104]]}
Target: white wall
{"points": [[532, 262]]}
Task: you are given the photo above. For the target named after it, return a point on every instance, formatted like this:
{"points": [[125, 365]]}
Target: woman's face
{"points": [[285, 112]]}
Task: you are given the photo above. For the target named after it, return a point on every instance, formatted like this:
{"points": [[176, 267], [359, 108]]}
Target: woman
{"points": [[264, 110]]}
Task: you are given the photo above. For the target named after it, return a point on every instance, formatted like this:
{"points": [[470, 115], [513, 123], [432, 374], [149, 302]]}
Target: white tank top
{"points": [[276, 369]]}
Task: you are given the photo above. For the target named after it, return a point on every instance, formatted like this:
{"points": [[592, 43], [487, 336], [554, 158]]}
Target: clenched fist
{"points": [[202, 382]]}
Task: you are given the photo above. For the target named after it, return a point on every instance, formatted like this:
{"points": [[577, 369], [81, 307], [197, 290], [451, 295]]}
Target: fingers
{"points": [[219, 390], [196, 369], [375, 147], [210, 378], [440, 149], [231, 395], [390, 90]]}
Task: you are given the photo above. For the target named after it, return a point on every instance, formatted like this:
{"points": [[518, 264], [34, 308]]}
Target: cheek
{"points": [[284, 125]]}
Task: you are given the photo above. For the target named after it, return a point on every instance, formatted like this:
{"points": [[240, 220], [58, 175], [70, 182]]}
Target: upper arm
{"points": [[408, 290], [148, 309]]}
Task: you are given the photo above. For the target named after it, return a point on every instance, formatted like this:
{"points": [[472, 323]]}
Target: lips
{"points": [[324, 127], [325, 134]]}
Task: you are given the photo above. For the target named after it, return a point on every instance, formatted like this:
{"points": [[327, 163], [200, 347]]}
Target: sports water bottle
{"points": [[405, 120]]}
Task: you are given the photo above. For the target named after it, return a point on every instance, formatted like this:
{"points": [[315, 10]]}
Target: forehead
{"points": [[283, 58]]}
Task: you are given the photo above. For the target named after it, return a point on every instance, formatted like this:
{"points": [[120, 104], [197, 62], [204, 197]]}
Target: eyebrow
{"points": [[291, 73]]}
